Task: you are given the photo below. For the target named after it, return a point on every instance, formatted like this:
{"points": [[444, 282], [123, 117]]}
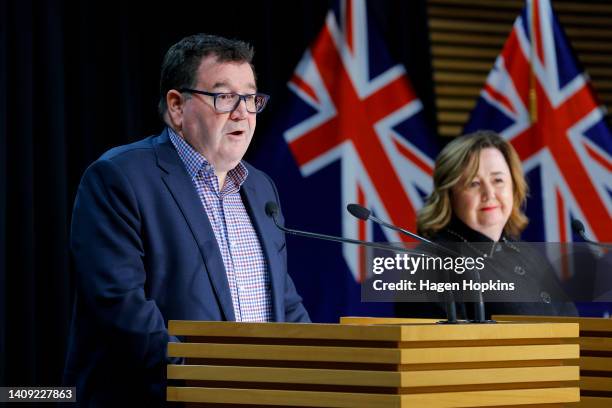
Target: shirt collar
{"points": [[195, 162], [238, 175]]}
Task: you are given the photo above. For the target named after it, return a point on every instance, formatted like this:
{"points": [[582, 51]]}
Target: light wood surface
{"points": [[361, 320], [492, 398], [374, 355], [590, 402], [595, 344], [596, 384], [356, 400], [433, 378], [375, 362], [586, 323], [282, 330], [596, 364], [282, 397], [398, 332], [596, 356]]}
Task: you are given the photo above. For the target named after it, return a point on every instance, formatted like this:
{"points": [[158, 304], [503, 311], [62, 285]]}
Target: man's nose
{"points": [[240, 112]]}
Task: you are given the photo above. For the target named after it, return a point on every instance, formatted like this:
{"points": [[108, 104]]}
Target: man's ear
{"points": [[175, 101]]}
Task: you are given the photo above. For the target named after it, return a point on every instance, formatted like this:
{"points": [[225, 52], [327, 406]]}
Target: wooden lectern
{"points": [[358, 364], [595, 357]]}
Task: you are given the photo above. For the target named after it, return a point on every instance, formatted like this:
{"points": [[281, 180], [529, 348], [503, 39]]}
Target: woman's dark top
{"points": [[533, 276]]}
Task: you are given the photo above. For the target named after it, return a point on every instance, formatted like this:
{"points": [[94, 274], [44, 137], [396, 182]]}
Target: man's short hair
{"points": [[181, 62]]}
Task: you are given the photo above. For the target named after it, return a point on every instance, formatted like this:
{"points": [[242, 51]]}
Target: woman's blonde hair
{"points": [[462, 157]]}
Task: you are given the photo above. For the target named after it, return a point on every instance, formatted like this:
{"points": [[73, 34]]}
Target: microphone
{"points": [[363, 213], [578, 228], [272, 211]]}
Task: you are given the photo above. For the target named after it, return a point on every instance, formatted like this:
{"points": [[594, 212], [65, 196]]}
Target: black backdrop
{"points": [[76, 79]]}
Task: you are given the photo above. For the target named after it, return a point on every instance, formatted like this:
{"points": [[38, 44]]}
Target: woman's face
{"points": [[484, 203]]}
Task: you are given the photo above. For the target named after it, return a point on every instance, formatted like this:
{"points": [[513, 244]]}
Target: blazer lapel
{"points": [[266, 231], [176, 179]]}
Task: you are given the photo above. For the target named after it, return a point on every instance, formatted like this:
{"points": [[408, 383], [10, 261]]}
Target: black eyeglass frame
{"points": [[240, 98]]}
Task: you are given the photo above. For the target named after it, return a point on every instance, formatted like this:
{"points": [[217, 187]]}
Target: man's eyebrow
{"points": [[225, 84], [221, 84]]}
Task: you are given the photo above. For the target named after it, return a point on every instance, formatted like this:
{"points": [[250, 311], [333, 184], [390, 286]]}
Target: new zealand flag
{"points": [[539, 99], [352, 132]]}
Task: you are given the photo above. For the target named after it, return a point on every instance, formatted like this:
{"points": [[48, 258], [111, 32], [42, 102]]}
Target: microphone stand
{"points": [[363, 213], [272, 212]]}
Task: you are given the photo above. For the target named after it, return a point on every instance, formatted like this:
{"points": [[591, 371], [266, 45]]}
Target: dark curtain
{"points": [[3, 190], [35, 277], [78, 78]]}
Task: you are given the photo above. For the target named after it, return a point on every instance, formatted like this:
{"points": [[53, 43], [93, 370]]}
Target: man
{"points": [[174, 227]]}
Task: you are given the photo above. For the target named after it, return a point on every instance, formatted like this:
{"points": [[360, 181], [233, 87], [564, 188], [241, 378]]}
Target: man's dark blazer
{"points": [[144, 253]]}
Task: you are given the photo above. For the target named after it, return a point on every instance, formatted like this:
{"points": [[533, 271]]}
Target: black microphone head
{"points": [[271, 209], [577, 226], [358, 211]]}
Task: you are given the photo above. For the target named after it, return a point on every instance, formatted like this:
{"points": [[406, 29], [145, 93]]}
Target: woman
{"points": [[476, 206]]}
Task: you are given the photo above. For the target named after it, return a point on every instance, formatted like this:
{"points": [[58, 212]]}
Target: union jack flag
{"points": [[537, 97], [355, 130]]}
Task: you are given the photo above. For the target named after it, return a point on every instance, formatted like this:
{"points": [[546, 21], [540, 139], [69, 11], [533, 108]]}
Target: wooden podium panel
{"points": [[381, 365], [595, 357]]}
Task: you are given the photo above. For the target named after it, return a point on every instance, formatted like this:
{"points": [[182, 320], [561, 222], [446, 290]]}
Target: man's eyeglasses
{"points": [[228, 101]]}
